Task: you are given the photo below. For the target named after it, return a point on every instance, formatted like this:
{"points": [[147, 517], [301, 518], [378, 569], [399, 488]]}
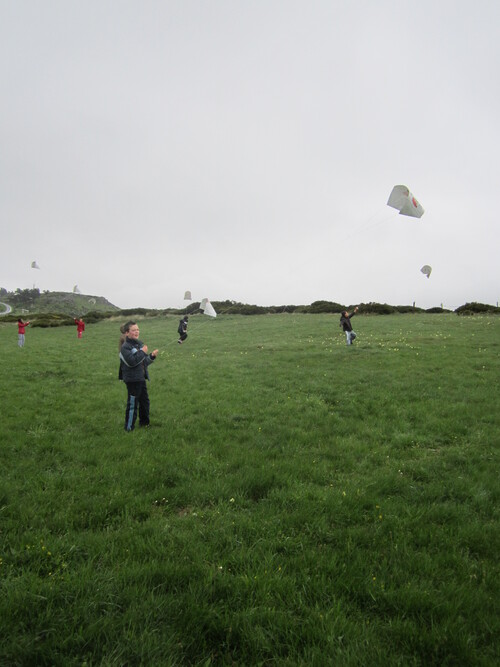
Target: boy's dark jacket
{"points": [[133, 362], [345, 322]]}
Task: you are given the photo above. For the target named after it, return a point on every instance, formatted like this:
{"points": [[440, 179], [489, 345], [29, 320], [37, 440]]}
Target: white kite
{"points": [[207, 308], [92, 301], [34, 265], [426, 270], [187, 296], [402, 199], [76, 290]]}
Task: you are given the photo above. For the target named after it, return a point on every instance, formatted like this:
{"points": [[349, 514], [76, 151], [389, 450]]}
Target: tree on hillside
{"points": [[24, 298]]}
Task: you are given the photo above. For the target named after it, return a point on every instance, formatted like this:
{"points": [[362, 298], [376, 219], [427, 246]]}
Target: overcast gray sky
{"points": [[246, 150]]}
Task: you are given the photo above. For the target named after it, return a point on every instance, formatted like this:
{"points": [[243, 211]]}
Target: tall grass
{"points": [[295, 501]]}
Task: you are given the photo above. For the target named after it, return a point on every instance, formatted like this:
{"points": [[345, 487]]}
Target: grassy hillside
{"points": [[294, 502], [73, 304], [25, 302]]}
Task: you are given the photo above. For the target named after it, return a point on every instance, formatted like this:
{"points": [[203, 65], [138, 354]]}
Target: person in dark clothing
{"points": [[182, 329], [345, 324], [134, 362]]}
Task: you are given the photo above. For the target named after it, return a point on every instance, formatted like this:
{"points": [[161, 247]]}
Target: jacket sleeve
{"points": [[131, 356], [149, 359]]}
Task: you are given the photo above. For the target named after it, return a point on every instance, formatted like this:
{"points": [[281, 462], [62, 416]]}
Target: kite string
{"points": [[369, 226], [370, 223]]}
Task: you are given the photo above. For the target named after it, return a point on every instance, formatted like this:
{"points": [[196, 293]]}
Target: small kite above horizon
{"points": [[426, 270], [403, 200], [207, 308], [187, 296], [76, 290], [34, 265]]}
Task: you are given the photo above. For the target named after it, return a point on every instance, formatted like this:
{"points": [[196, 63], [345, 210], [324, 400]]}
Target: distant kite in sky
{"points": [[207, 308], [187, 296], [403, 200], [34, 265], [426, 270]]}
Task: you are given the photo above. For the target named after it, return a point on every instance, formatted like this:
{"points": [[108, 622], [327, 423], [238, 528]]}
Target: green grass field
{"points": [[295, 501]]}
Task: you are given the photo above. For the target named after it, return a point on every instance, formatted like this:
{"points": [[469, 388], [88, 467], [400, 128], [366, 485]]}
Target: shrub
{"points": [[437, 309], [324, 307], [475, 308], [408, 309], [46, 320], [127, 312], [376, 308]]}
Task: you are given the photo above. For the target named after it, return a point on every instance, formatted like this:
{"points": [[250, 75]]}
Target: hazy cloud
{"points": [[246, 150]]}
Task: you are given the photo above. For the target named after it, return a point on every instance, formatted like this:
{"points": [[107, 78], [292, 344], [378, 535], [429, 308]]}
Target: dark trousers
{"points": [[137, 399]]}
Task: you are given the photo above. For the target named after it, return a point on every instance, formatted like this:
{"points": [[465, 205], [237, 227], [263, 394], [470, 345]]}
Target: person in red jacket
{"points": [[20, 331], [80, 327]]}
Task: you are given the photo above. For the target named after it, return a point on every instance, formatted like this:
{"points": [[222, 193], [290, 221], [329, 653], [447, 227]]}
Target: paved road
{"points": [[8, 309]]}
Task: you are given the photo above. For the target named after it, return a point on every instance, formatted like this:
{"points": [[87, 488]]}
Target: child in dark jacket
{"points": [[135, 359], [182, 329], [345, 324]]}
